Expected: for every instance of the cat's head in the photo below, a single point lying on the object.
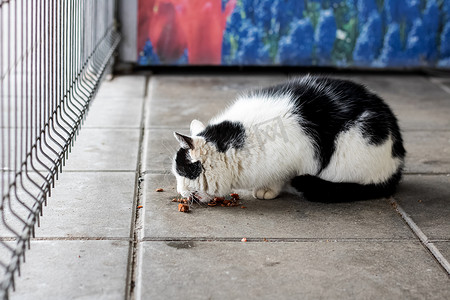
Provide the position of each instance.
(191, 164)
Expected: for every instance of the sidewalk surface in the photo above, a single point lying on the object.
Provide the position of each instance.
(107, 234)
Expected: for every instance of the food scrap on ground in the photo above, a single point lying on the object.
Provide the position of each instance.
(183, 207)
(160, 190)
(181, 200)
(221, 201)
(184, 203)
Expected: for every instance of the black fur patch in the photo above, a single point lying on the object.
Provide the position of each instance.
(185, 167)
(330, 106)
(319, 190)
(225, 135)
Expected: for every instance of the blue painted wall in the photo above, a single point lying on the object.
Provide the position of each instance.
(362, 33)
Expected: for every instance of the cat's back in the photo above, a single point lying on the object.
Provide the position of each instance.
(317, 104)
(258, 106)
(333, 99)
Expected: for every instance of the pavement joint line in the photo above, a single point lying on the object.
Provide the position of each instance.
(277, 240)
(427, 174)
(426, 130)
(111, 127)
(422, 237)
(157, 172)
(167, 128)
(78, 171)
(117, 98)
(74, 238)
(84, 127)
(168, 172)
(439, 84)
(132, 289)
(100, 171)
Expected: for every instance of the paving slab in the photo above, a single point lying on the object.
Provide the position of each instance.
(104, 149)
(161, 147)
(427, 152)
(306, 270)
(124, 87)
(176, 100)
(444, 248)
(82, 206)
(418, 103)
(444, 83)
(106, 112)
(425, 198)
(286, 217)
(93, 204)
(63, 269)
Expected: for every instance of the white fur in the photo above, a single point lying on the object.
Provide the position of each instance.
(286, 151)
(196, 127)
(355, 160)
(280, 156)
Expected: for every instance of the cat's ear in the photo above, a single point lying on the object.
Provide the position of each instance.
(196, 127)
(185, 141)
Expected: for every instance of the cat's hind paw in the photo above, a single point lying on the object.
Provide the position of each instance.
(265, 193)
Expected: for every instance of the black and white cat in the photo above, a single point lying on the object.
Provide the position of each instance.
(332, 140)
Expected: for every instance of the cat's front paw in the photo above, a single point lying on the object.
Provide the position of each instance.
(264, 193)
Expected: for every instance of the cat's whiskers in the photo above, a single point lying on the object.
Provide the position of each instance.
(169, 149)
(193, 198)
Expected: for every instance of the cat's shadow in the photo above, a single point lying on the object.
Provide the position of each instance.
(285, 205)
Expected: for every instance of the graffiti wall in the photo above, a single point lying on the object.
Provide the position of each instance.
(363, 33)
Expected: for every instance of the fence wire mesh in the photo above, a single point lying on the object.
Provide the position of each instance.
(53, 55)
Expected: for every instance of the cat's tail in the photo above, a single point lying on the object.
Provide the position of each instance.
(319, 190)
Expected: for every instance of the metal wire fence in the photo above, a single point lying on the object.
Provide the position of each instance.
(53, 55)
